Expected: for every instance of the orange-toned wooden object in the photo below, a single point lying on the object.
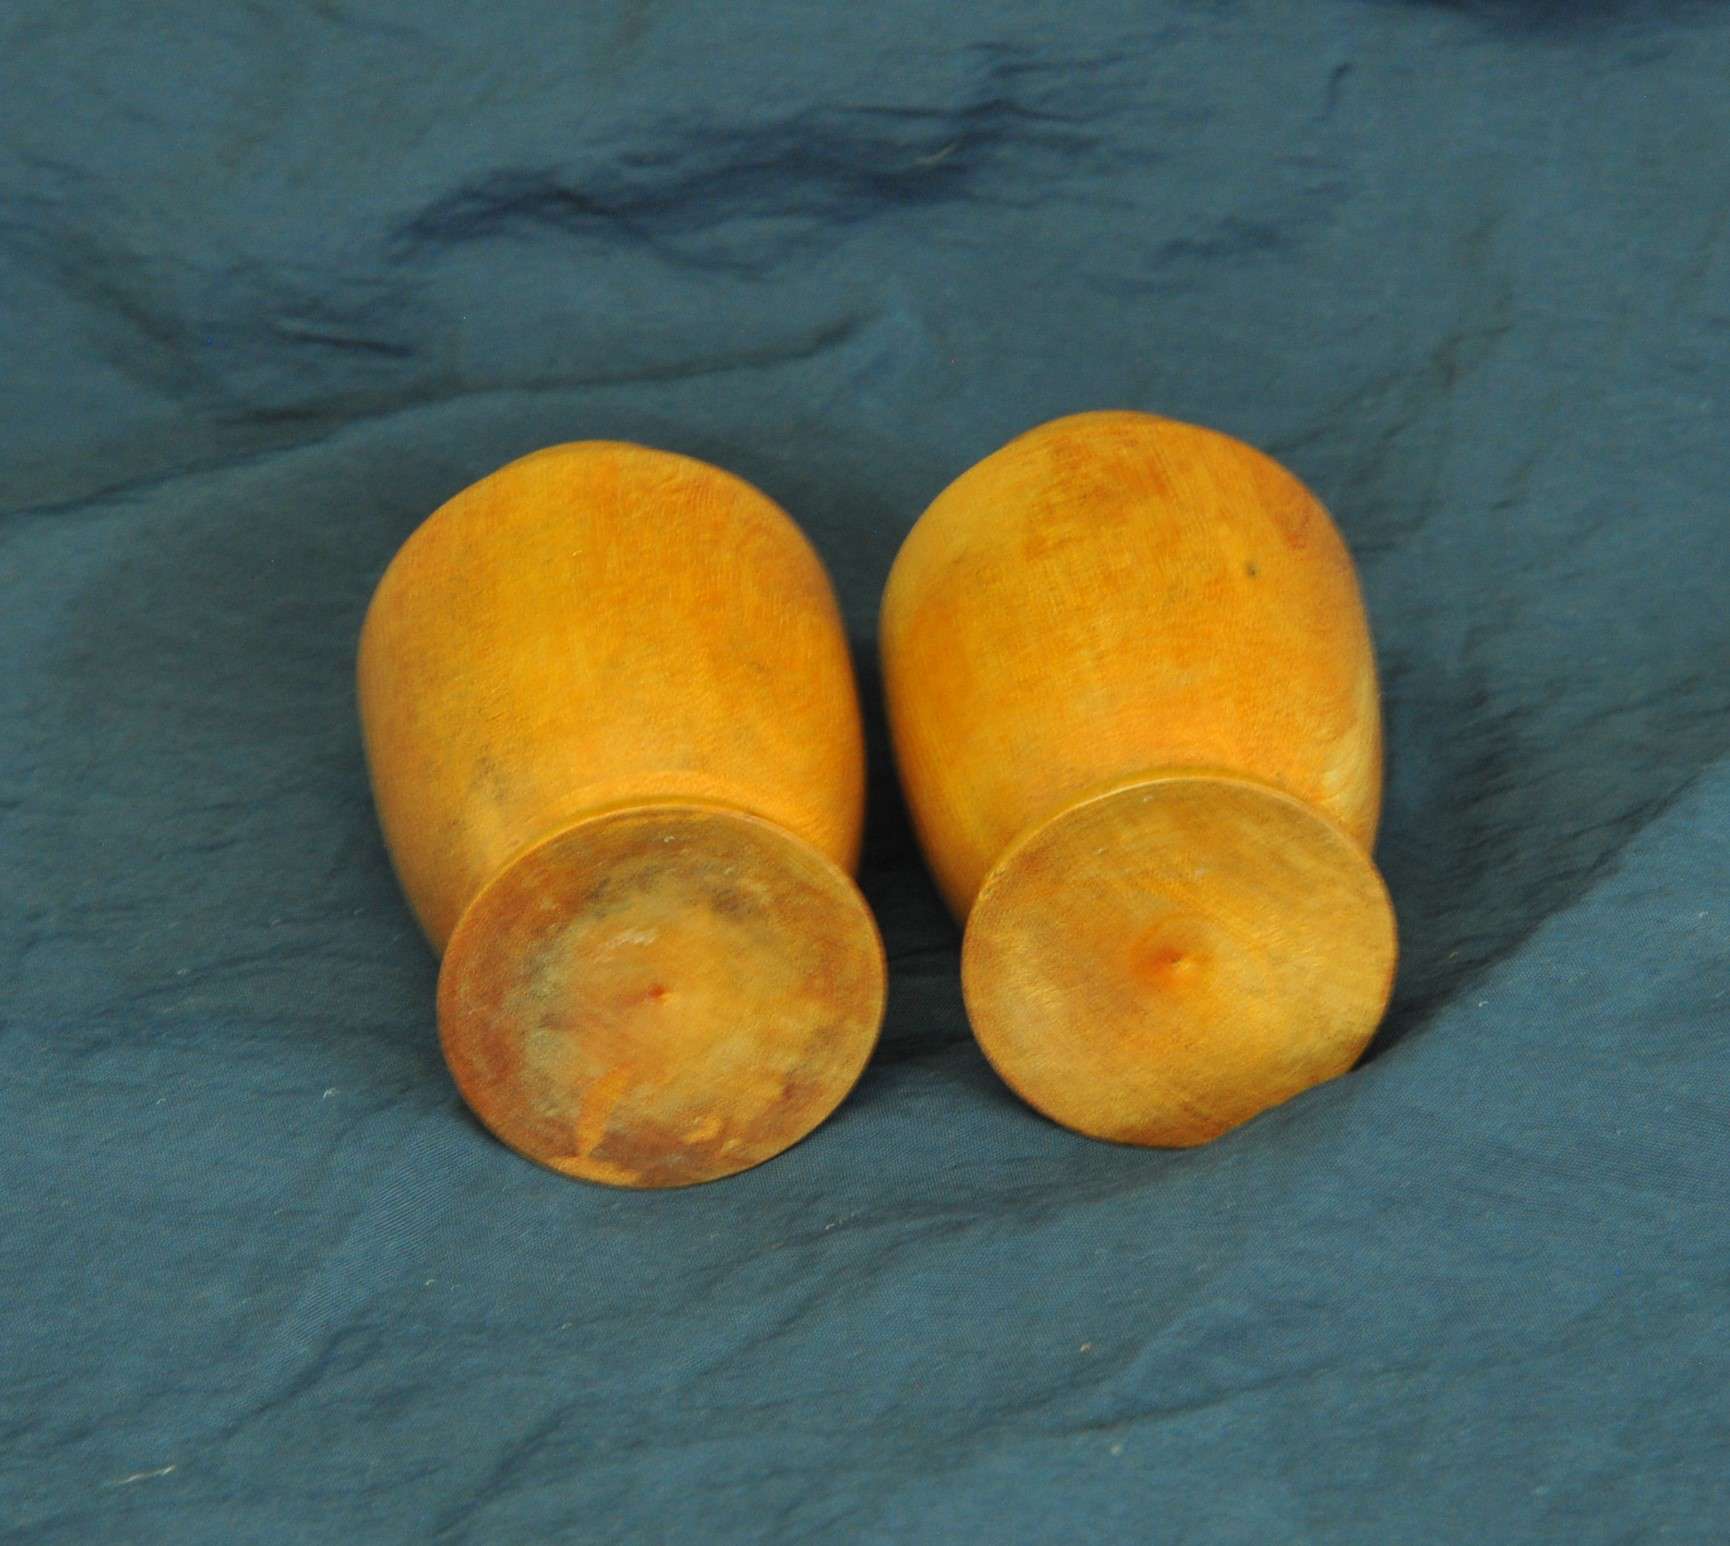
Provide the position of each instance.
(1134, 703)
(615, 743)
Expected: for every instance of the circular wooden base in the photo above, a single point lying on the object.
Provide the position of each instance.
(661, 995)
(1160, 963)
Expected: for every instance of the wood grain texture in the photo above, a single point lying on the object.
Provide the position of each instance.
(1109, 601)
(616, 749)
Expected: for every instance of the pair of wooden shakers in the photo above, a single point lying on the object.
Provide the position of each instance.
(615, 742)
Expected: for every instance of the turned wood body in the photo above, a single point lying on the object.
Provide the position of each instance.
(644, 651)
(1108, 601)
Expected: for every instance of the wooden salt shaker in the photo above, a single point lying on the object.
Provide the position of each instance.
(1133, 699)
(615, 743)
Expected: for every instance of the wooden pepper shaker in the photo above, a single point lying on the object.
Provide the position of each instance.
(615, 743)
(1134, 704)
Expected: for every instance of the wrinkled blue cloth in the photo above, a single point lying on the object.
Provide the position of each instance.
(277, 280)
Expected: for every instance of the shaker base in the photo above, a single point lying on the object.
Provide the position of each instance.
(661, 995)
(1159, 963)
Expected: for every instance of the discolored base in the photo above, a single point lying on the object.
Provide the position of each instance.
(1160, 963)
(661, 995)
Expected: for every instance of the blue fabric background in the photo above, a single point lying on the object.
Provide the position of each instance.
(276, 280)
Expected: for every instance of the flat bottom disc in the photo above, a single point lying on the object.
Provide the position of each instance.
(661, 995)
(1160, 963)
